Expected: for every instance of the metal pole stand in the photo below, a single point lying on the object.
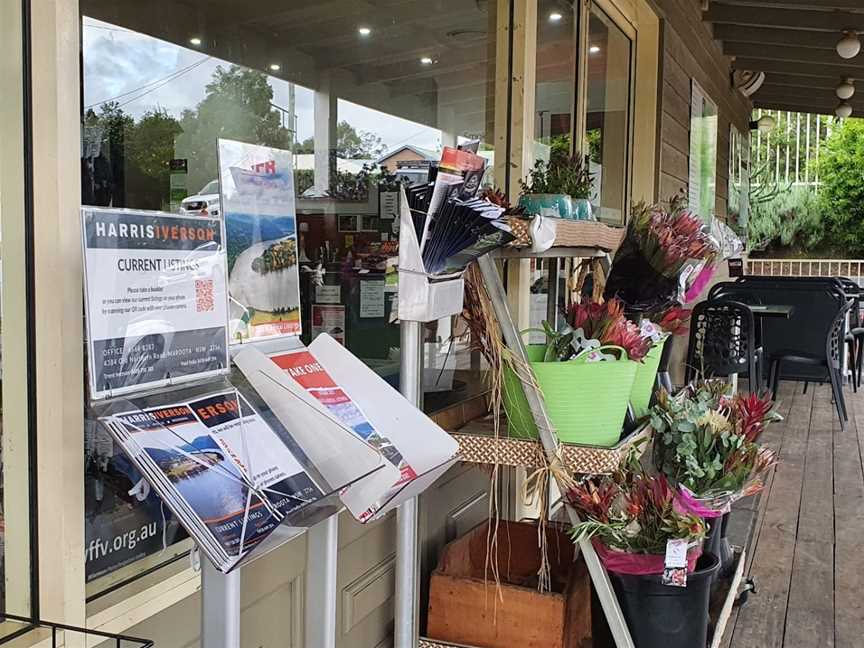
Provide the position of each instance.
(220, 607)
(406, 631)
(322, 546)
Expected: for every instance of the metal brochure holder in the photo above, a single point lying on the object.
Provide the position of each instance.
(186, 467)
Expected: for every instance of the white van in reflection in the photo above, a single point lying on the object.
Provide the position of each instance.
(205, 202)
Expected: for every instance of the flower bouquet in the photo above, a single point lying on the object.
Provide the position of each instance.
(630, 517)
(706, 443)
(653, 551)
(667, 256)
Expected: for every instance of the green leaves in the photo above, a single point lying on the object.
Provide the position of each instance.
(563, 174)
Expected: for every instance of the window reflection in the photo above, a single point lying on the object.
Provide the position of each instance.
(360, 98)
(607, 129)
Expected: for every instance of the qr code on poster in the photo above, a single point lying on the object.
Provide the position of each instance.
(203, 295)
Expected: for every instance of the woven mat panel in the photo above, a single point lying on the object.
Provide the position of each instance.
(431, 643)
(587, 460)
(572, 233)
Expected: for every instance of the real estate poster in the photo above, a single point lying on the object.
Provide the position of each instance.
(257, 189)
(156, 299)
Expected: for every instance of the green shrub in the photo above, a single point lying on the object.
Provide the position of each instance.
(792, 217)
(841, 172)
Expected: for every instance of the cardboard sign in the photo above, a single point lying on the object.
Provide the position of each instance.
(156, 299)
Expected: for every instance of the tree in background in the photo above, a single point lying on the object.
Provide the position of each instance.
(351, 144)
(132, 165)
(237, 105)
(841, 194)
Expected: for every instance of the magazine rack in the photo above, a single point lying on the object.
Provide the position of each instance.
(168, 430)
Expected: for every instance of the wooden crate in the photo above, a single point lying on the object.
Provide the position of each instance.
(463, 604)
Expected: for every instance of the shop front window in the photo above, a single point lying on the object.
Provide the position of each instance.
(607, 124)
(360, 98)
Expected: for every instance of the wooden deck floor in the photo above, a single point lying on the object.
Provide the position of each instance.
(806, 531)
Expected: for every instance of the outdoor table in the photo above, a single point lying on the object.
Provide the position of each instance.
(760, 311)
(781, 311)
(771, 310)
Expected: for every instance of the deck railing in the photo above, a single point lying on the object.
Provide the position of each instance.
(851, 268)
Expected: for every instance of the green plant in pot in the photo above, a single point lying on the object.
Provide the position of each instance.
(585, 375)
(631, 518)
(560, 187)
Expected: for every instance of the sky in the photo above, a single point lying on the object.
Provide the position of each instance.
(141, 73)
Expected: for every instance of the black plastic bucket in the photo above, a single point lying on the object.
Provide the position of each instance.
(662, 616)
(717, 543)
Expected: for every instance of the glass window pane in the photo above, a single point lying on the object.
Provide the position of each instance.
(556, 77)
(352, 93)
(608, 115)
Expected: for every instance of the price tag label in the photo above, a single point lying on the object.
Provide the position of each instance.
(675, 564)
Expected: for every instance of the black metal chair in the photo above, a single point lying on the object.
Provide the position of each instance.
(854, 337)
(827, 360)
(723, 342)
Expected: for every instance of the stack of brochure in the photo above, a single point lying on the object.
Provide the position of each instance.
(453, 227)
(219, 467)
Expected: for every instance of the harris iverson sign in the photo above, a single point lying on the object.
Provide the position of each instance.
(156, 299)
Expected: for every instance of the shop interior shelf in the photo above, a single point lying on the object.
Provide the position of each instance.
(478, 444)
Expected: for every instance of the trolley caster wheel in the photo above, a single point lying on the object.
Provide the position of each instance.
(749, 586)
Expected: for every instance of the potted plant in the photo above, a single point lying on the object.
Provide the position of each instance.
(560, 187)
(585, 374)
(706, 443)
(631, 518)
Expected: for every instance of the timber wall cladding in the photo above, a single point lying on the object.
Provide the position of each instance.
(690, 52)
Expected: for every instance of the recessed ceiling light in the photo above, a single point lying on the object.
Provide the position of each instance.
(594, 49)
(195, 41)
(275, 67)
(426, 60)
(849, 46)
(364, 31)
(555, 16)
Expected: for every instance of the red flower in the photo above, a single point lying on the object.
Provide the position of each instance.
(750, 412)
(674, 320)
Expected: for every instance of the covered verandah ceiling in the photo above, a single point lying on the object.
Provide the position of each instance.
(794, 43)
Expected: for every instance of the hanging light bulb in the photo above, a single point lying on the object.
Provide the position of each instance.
(843, 110)
(849, 46)
(845, 89)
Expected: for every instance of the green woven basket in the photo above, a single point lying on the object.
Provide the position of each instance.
(587, 403)
(646, 375)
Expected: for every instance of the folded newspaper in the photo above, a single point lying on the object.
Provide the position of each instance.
(223, 471)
